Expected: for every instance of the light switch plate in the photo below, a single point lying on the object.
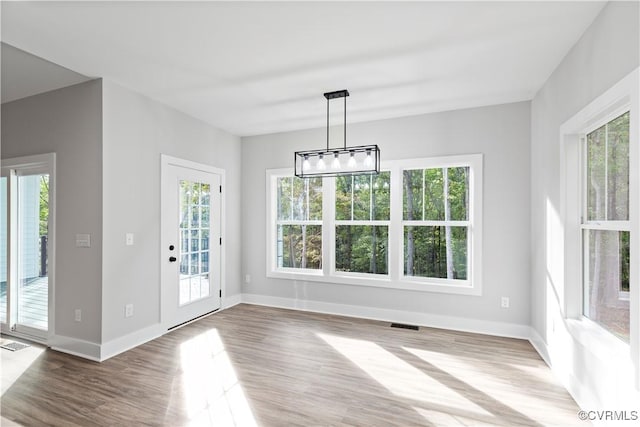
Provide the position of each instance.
(129, 239)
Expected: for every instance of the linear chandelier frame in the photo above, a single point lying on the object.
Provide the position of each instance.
(344, 161)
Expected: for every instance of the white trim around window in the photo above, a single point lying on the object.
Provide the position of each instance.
(395, 278)
(622, 97)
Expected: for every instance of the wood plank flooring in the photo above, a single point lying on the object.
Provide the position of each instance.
(253, 365)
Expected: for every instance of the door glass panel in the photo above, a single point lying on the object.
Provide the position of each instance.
(3, 250)
(33, 220)
(195, 223)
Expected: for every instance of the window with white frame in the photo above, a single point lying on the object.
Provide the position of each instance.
(606, 225)
(436, 222)
(417, 225)
(362, 214)
(299, 223)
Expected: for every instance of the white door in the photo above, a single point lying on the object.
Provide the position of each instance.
(191, 240)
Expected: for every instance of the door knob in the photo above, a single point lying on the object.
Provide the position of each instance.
(172, 259)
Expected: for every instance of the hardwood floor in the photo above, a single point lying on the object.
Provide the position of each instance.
(252, 365)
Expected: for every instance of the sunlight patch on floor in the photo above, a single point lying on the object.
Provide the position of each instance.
(212, 393)
(14, 363)
(400, 377)
(508, 390)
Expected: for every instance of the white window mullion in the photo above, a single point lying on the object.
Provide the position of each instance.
(328, 226)
(396, 232)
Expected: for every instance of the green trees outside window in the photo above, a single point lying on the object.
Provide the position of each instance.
(362, 223)
(435, 214)
(606, 226)
(299, 223)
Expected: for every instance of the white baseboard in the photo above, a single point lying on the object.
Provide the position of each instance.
(230, 301)
(539, 345)
(85, 349)
(129, 341)
(422, 319)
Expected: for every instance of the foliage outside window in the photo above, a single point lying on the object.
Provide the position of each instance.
(606, 226)
(435, 213)
(299, 223)
(362, 223)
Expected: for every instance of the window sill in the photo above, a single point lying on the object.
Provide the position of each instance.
(383, 281)
(602, 343)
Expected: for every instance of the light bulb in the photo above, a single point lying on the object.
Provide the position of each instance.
(352, 161)
(320, 165)
(306, 165)
(336, 161)
(367, 160)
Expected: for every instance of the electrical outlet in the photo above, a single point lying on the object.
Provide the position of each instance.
(128, 310)
(247, 278)
(504, 303)
(78, 315)
(129, 239)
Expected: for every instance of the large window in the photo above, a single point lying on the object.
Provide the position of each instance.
(606, 226)
(362, 223)
(416, 225)
(299, 223)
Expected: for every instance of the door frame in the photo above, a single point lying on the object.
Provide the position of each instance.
(165, 162)
(38, 162)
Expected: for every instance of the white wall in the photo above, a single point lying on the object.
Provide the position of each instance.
(68, 122)
(607, 52)
(136, 131)
(501, 133)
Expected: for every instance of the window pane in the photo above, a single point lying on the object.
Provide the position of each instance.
(424, 193)
(433, 195)
(596, 174)
(315, 199)
(299, 246)
(618, 168)
(435, 251)
(369, 194)
(205, 194)
(299, 199)
(195, 193)
(344, 186)
(33, 215)
(412, 194)
(362, 248)
(458, 193)
(361, 197)
(605, 296)
(285, 187)
(381, 207)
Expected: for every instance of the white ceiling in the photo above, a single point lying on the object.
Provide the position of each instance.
(261, 67)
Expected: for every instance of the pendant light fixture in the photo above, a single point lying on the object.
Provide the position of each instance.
(360, 160)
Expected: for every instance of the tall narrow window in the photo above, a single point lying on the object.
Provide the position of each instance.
(362, 223)
(436, 222)
(606, 226)
(299, 223)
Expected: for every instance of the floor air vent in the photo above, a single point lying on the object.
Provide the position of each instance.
(403, 326)
(13, 346)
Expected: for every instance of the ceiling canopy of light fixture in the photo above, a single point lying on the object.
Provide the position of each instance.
(359, 160)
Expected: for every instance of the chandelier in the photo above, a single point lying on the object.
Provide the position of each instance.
(357, 160)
